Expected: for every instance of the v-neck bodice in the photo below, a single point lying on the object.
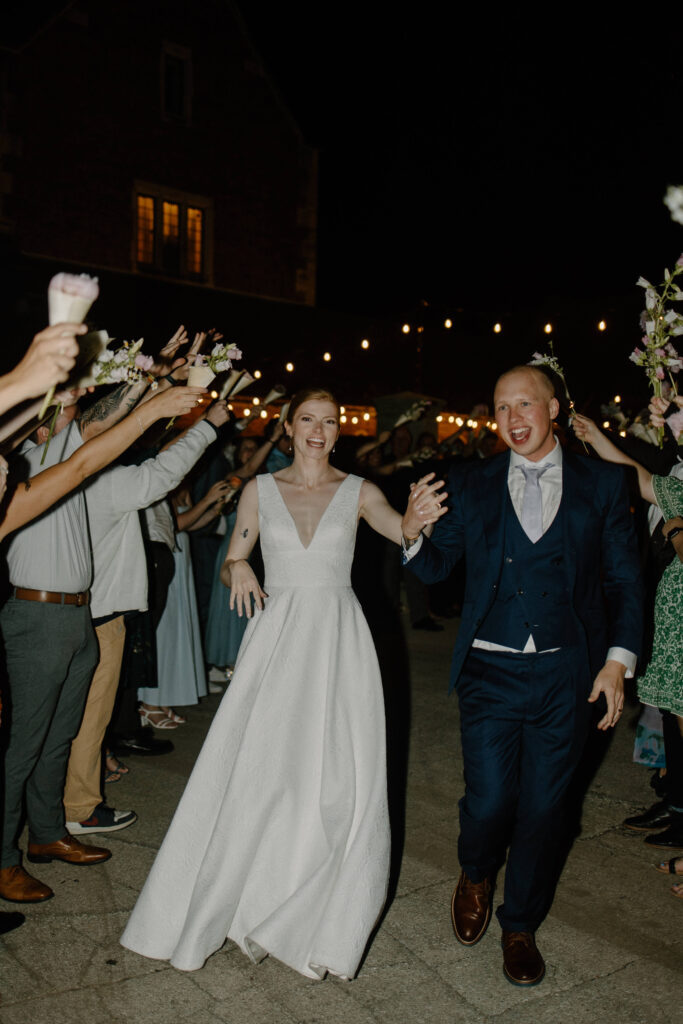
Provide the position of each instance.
(327, 559)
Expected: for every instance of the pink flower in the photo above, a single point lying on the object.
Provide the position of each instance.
(659, 373)
(144, 362)
(660, 353)
(679, 261)
(234, 353)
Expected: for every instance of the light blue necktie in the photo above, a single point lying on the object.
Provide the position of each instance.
(532, 505)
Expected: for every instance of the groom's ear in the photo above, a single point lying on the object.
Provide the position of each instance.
(553, 408)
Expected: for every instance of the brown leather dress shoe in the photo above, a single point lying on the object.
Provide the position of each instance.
(470, 909)
(17, 886)
(522, 963)
(68, 849)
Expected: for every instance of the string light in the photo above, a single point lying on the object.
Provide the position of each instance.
(289, 367)
(448, 324)
(420, 330)
(327, 357)
(617, 399)
(366, 416)
(494, 426)
(264, 414)
(451, 419)
(548, 328)
(602, 326)
(247, 412)
(257, 374)
(354, 419)
(622, 433)
(230, 408)
(256, 401)
(458, 420)
(497, 328)
(342, 419)
(406, 328)
(342, 409)
(439, 419)
(606, 424)
(365, 343)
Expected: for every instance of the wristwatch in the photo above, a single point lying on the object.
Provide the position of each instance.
(672, 533)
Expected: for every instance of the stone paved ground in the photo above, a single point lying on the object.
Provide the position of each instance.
(613, 942)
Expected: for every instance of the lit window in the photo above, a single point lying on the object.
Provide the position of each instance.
(170, 258)
(145, 233)
(195, 224)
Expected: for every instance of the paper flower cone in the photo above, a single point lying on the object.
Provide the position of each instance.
(230, 382)
(69, 298)
(283, 412)
(277, 392)
(200, 376)
(245, 380)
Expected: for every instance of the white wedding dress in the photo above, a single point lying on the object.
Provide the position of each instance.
(281, 839)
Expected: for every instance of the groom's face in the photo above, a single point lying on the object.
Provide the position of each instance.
(525, 408)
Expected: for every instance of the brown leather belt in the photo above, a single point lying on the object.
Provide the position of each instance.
(52, 596)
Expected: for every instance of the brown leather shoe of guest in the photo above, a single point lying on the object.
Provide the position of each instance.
(69, 850)
(522, 963)
(471, 909)
(17, 886)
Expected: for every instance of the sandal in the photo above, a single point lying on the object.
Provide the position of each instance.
(113, 765)
(174, 716)
(668, 867)
(112, 776)
(157, 719)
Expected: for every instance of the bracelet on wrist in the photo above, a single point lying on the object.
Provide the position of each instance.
(171, 380)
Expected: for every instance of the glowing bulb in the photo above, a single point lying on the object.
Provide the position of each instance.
(256, 401)
(327, 357)
(548, 328)
(342, 419)
(289, 367)
(606, 424)
(602, 326)
(354, 419)
(617, 399)
(230, 408)
(365, 343)
(458, 420)
(366, 416)
(264, 414)
(451, 419)
(247, 412)
(622, 433)
(257, 374)
(497, 328)
(342, 408)
(448, 323)
(494, 426)
(406, 328)
(214, 394)
(439, 419)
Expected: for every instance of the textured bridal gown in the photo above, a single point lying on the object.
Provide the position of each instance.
(281, 839)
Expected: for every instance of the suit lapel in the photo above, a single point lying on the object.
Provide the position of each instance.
(576, 512)
(491, 495)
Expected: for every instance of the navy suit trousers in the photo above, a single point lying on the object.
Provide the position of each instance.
(524, 722)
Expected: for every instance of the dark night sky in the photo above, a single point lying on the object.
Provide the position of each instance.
(480, 159)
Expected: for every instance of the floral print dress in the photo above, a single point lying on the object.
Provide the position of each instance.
(662, 684)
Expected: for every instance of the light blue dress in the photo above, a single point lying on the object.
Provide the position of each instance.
(181, 672)
(225, 628)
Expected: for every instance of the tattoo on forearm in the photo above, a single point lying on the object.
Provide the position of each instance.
(126, 395)
(245, 532)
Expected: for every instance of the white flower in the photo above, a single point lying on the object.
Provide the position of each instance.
(674, 200)
(643, 283)
(121, 356)
(650, 298)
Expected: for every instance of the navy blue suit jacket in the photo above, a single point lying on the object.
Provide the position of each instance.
(600, 563)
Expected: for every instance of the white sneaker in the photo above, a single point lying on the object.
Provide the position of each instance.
(102, 819)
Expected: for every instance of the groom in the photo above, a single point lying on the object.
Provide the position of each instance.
(551, 620)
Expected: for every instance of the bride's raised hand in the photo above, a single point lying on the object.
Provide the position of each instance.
(240, 577)
(425, 505)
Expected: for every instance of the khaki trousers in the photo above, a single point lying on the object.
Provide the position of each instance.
(82, 792)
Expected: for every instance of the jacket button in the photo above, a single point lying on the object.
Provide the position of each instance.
(508, 559)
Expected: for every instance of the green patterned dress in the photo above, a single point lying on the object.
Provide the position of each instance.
(662, 684)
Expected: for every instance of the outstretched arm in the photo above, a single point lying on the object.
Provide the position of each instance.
(236, 573)
(424, 509)
(48, 361)
(40, 492)
(586, 430)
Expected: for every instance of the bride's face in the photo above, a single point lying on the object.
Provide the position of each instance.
(315, 428)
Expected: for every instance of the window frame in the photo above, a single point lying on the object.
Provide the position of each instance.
(185, 201)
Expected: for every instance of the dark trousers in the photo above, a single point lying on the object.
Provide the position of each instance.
(673, 749)
(524, 722)
(51, 653)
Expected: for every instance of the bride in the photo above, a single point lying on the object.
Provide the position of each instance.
(281, 839)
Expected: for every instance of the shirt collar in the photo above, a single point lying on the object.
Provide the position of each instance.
(553, 458)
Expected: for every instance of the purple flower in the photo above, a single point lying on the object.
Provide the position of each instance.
(144, 362)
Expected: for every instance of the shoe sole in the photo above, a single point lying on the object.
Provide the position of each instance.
(32, 899)
(39, 858)
(480, 936)
(523, 984)
(75, 829)
(665, 846)
(647, 828)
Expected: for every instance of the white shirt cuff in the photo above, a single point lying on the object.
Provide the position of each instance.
(624, 657)
(410, 552)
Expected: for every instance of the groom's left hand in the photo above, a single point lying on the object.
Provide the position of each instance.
(610, 681)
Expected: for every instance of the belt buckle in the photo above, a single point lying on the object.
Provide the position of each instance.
(79, 600)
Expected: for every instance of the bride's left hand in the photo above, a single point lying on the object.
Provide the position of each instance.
(424, 505)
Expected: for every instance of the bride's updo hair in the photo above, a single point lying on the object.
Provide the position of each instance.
(311, 395)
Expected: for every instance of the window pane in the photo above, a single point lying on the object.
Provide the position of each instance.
(195, 232)
(145, 229)
(170, 257)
